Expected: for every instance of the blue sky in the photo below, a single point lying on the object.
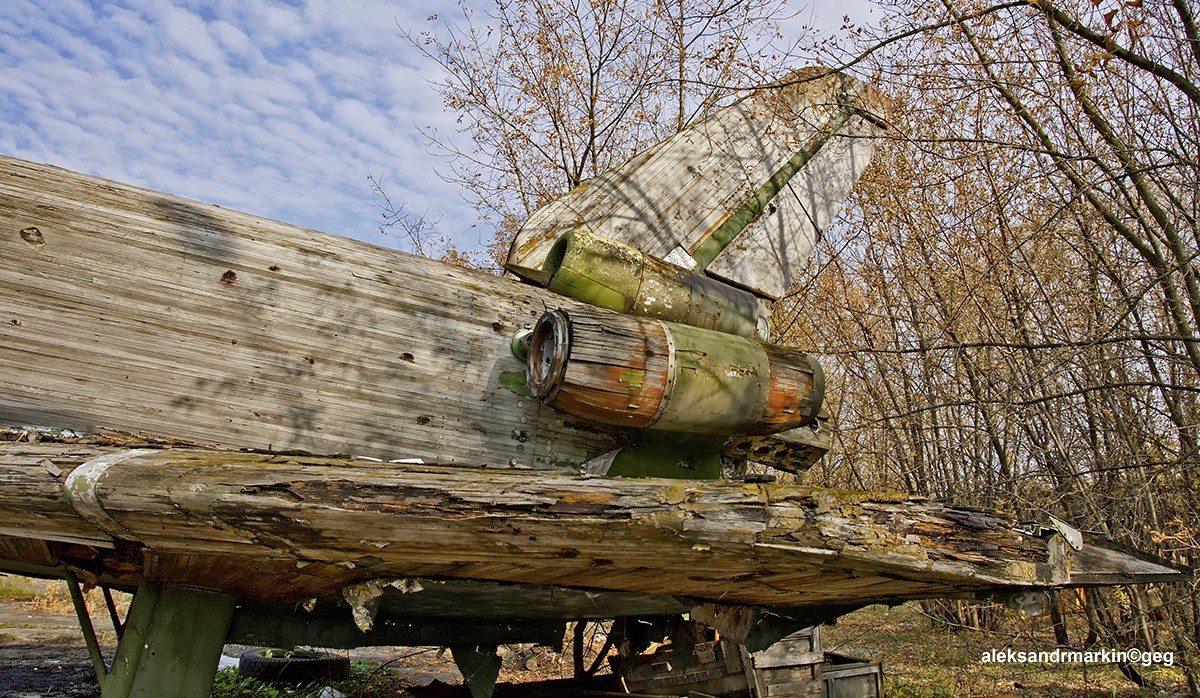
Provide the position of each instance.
(280, 109)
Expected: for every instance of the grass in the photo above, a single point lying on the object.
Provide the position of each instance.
(15, 589)
(56, 598)
(928, 659)
(366, 681)
(15, 594)
(63, 639)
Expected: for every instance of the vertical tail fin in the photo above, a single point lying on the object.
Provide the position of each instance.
(741, 196)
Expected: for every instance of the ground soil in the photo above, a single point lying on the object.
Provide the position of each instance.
(931, 659)
(45, 671)
(42, 655)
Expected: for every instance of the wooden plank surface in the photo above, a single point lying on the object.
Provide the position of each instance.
(127, 309)
(143, 312)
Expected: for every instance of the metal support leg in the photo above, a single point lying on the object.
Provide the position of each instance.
(118, 625)
(479, 666)
(85, 625)
(170, 645)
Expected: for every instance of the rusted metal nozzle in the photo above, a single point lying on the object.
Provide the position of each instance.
(649, 374)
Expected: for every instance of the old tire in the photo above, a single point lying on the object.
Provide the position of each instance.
(293, 666)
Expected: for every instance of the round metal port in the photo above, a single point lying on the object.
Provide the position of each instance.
(549, 349)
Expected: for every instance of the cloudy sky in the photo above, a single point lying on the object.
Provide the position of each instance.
(281, 109)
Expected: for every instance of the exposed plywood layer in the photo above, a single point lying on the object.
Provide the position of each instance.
(314, 526)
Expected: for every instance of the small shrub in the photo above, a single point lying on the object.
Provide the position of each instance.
(229, 683)
(366, 681)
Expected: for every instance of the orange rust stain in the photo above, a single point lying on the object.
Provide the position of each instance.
(708, 233)
(787, 401)
(606, 407)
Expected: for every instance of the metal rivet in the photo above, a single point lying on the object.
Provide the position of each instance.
(520, 344)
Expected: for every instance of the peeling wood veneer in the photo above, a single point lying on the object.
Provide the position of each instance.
(314, 525)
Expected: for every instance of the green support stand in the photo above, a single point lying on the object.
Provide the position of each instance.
(170, 646)
(479, 666)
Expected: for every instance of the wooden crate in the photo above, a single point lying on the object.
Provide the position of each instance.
(790, 668)
(850, 677)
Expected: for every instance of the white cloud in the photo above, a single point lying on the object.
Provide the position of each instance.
(277, 108)
(128, 22)
(279, 23)
(266, 107)
(353, 114)
(191, 34)
(236, 44)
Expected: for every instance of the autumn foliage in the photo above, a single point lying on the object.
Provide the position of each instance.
(1010, 309)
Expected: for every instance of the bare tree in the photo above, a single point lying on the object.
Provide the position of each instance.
(1010, 311)
(1012, 306)
(551, 93)
(419, 233)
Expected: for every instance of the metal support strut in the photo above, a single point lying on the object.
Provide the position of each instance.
(479, 666)
(170, 642)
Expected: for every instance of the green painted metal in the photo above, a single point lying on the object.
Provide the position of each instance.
(594, 270)
(111, 605)
(171, 644)
(85, 625)
(520, 344)
(670, 455)
(612, 275)
(757, 202)
(721, 383)
(620, 370)
(479, 666)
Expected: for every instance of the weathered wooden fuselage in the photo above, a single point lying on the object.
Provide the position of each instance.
(138, 312)
(361, 426)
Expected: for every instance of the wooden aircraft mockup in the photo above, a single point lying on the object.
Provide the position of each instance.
(277, 435)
